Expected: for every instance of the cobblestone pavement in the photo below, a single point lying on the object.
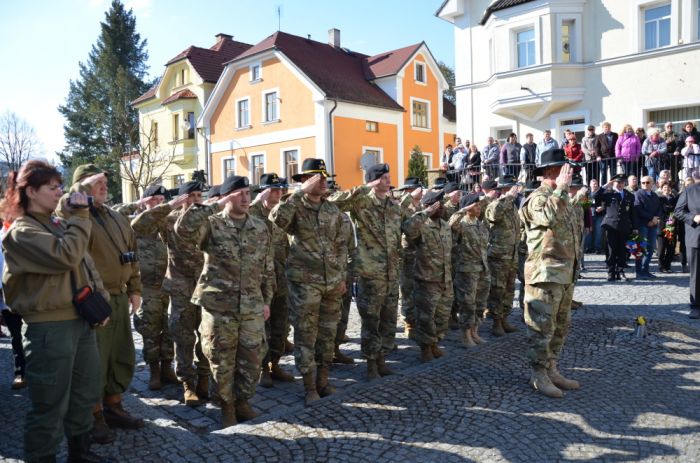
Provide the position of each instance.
(638, 402)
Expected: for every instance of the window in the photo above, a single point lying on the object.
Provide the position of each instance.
(255, 72)
(567, 30)
(270, 109)
(183, 73)
(176, 127)
(154, 135)
(371, 126)
(502, 134)
(257, 168)
(420, 72)
(678, 116)
(428, 160)
(697, 22)
(190, 125)
(291, 163)
(525, 47)
(229, 167)
(420, 114)
(243, 114)
(657, 27)
(178, 180)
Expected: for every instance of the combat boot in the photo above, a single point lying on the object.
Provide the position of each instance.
(339, 357)
(310, 388)
(79, 450)
(497, 329)
(426, 353)
(191, 399)
(202, 387)
(475, 334)
(372, 372)
(382, 367)
(560, 381)
(228, 415)
(244, 412)
(541, 382)
(467, 339)
(278, 373)
(323, 387)
(100, 433)
(167, 373)
(154, 383)
(437, 352)
(117, 417)
(507, 327)
(265, 377)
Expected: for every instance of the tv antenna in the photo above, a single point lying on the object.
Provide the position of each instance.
(279, 17)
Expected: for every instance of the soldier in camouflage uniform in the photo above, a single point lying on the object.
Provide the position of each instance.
(470, 238)
(378, 221)
(450, 205)
(432, 273)
(270, 189)
(528, 188)
(577, 192)
(491, 193)
(314, 274)
(349, 250)
(504, 236)
(409, 204)
(553, 242)
(185, 262)
(234, 291)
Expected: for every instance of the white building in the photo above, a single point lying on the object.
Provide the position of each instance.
(528, 65)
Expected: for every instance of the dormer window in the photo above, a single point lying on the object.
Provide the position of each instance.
(420, 73)
(255, 72)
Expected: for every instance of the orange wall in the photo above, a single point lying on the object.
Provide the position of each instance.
(428, 141)
(295, 109)
(349, 136)
(448, 139)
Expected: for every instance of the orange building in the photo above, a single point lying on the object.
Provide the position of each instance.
(288, 98)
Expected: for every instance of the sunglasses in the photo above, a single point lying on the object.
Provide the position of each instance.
(645, 183)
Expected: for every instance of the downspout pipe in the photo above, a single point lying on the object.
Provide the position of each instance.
(330, 136)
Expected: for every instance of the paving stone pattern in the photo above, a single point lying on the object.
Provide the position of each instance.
(639, 400)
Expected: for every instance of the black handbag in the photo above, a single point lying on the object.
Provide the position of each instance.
(90, 305)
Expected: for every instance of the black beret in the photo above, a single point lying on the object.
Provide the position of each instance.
(154, 190)
(432, 197)
(489, 184)
(375, 172)
(214, 191)
(190, 187)
(468, 200)
(450, 187)
(233, 183)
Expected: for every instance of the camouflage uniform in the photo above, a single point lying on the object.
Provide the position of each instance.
(408, 259)
(277, 325)
(522, 257)
(350, 251)
(449, 208)
(470, 238)
(314, 275)
(379, 244)
(432, 274)
(484, 202)
(237, 281)
(504, 233)
(185, 262)
(553, 243)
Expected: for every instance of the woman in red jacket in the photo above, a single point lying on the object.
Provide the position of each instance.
(573, 150)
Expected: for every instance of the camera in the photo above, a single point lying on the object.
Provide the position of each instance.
(128, 257)
(75, 206)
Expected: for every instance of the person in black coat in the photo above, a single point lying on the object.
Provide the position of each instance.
(667, 241)
(619, 221)
(688, 212)
(604, 150)
(647, 208)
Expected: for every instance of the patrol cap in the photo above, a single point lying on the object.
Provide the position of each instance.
(190, 187)
(85, 171)
(618, 178)
(233, 183)
(431, 197)
(450, 187)
(155, 190)
(439, 184)
(375, 172)
(214, 192)
(270, 180)
(469, 200)
(489, 185)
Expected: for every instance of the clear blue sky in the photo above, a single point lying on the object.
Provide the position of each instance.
(43, 41)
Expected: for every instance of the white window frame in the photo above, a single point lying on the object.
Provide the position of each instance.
(283, 164)
(375, 148)
(638, 29)
(250, 71)
(498, 128)
(251, 165)
(416, 65)
(239, 126)
(518, 31)
(643, 24)
(556, 119)
(263, 94)
(223, 166)
(430, 159)
(429, 116)
(575, 34)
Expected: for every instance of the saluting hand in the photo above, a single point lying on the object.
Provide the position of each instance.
(135, 303)
(374, 183)
(432, 208)
(417, 193)
(178, 201)
(565, 175)
(310, 184)
(263, 195)
(266, 311)
(78, 200)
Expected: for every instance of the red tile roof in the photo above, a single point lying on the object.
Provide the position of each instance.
(150, 93)
(390, 62)
(181, 95)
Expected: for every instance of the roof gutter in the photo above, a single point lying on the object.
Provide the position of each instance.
(330, 136)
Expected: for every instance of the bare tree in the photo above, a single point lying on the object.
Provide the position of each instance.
(18, 141)
(145, 165)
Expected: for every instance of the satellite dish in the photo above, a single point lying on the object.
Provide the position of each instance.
(368, 160)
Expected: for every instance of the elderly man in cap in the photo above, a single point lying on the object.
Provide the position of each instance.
(113, 248)
(185, 263)
(234, 290)
(470, 238)
(409, 204)
(314, 273)
(553, 239)
(504, 235)
(270, 192)
(619, 221)
(432, 274)
(378, 221)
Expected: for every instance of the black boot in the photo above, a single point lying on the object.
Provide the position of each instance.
(79, 450)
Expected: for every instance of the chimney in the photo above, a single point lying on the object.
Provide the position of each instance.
(221, 37)
(334, 37)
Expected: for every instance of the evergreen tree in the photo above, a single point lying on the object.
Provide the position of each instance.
(416, 165)
(100, 123)
(449, 74)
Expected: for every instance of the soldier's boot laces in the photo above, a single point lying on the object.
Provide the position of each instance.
(244, 412)
(497, 328)
(202, 387)
(167, 373)
(154, 382)
(228, 415)
(382, 367)
(323, 387)
(507, 327)
(475, 334)
(339, 357)
(265, 376)
(437, 352)
(278, 373)
(372, 372)
(426, 353)
(191, 399)
(541, 382)
(310, 388)
(467, 338)
(560, 381)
